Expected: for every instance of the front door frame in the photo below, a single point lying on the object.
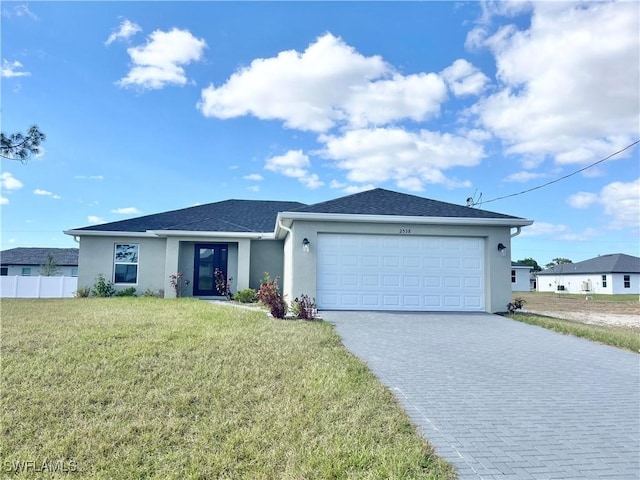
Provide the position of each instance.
(220, 260)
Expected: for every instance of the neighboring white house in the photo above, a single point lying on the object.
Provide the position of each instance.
(607, 274)
(375, 250)
(27, 262)
(520, 277)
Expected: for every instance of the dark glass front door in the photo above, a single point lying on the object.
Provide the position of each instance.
(209, 257)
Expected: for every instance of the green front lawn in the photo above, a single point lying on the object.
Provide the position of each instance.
(126, 388)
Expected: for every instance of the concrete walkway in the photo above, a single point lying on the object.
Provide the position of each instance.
(504, 400)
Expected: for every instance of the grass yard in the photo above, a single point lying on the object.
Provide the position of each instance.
(615, 336)
(128, 388)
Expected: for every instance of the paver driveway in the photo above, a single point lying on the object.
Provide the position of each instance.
(504, 400)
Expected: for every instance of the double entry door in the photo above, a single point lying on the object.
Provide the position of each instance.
(209, 258)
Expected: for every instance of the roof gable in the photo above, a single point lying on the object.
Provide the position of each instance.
(386, 202)
(612, 263)
(38, 256)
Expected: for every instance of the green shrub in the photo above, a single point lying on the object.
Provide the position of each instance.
(127, 292)
(248, 295)
(150, 293)
(82, 292)
(103, 287)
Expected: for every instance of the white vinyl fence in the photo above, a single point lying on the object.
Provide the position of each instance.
(17, 286)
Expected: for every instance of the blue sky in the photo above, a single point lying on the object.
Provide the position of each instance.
(154, 106)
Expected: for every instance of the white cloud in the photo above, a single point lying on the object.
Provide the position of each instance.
(256, 177)
(9, 182)
(328, 84)
(160, 61)
(544, 228)
(568, 86)
(24, 11)
(410, 159)
(619, 200)
(94, 219)
(294, 164)
(582, 199)
(46, 193)
(12, 69)
(350, 189)
(464, 79)
(126, 30)
(89, 177)
(3, 200)
(21, 10)
(523, 176)
(126, 211)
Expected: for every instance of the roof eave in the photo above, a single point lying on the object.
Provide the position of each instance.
(288, 217)
(171, 233)
(191, 233)
(106, 233)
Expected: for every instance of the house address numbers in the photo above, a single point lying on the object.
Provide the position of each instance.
(405, 231)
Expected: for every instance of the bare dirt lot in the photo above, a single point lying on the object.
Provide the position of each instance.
(583, 308)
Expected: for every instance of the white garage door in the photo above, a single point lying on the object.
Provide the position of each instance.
(414, 273)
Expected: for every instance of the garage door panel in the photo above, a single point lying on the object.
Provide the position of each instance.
(377, 272)
(371, 280)
(411, 281)
(432, 263)
(370, 261)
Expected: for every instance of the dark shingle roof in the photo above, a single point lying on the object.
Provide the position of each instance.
(225, 216)
(260, 216)
(38, 256)
(612, 263)
(386, 202)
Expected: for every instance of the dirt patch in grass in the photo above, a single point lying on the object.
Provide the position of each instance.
(620, 310)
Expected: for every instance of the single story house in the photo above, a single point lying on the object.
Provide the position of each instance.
(607, 274)
(28, 261)
(520, 277)
(375, 250)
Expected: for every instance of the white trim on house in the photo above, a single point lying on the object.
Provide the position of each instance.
(98, 233)
(173, 233)
(351, 218)
(191, 233)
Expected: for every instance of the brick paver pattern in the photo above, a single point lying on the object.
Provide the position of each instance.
(504, 400)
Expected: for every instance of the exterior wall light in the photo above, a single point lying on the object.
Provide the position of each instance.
(502, 249)
(305, 245)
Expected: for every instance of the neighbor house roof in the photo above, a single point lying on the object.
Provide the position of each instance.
(225, 216)
(612, 263)
(38, 256)
(520, 265)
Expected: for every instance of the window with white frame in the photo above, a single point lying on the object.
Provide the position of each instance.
(604, 281)
(627, 281)
(513, 276)
(26, 271)
(74, 271)
(125, 263)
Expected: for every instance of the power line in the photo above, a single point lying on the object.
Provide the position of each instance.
(480, 201)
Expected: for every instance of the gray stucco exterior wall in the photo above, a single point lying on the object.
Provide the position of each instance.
(97, 254)
(266, 256)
